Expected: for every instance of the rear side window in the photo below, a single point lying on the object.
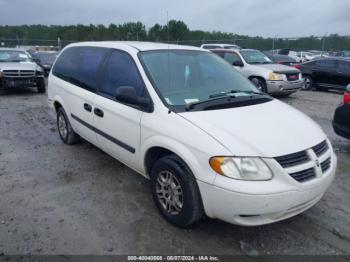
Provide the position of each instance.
(80, 66)
(120, 71)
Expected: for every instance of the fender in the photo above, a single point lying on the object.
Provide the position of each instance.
(182, 151)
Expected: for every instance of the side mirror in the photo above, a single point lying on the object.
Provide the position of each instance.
(348, 88)
(238, 63)
(127, 94)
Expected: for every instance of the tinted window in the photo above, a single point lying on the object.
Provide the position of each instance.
(120, 71)
(344, 65)
(80, 66)
(231, 57)
(326, 63)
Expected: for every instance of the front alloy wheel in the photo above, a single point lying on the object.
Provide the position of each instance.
(175, 191)
(169, 192)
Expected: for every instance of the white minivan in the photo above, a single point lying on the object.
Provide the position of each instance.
(208, 140)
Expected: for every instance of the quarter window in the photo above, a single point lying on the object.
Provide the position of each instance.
(120, 71)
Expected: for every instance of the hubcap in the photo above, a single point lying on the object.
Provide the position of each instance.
(62, 126)
(169, 192)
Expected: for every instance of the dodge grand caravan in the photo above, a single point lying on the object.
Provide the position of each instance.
(208, 140)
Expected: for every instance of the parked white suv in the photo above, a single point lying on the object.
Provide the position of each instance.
(209, 141)
(269, 77)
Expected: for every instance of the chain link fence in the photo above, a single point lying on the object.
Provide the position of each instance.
(330, 43)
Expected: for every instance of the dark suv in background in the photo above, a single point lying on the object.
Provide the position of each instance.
(328, 73)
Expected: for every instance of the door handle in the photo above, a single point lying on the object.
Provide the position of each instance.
(88, 107)
(98, 112)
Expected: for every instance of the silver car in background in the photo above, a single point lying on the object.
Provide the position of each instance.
(18, 70)
(268, 77)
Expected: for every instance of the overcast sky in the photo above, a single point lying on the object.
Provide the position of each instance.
(286, 18)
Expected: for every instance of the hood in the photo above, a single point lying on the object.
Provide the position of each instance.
(268, 130)
(278, 68)
(18, 66)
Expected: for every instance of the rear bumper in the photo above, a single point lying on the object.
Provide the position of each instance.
(284, 87)
(248, 209)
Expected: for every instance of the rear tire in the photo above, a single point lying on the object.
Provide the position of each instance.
(41, 86)
(175, 191)
(65, 130)
(260, 84)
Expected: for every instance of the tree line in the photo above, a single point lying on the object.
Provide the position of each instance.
(175, 31)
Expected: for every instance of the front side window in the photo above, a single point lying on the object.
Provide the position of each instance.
(80, 66)
(255, 57)
(344, 65)
(183, 77)
(120, 71)
(231, 57)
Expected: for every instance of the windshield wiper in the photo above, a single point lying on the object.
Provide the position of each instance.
(225, 99)
(224, 94)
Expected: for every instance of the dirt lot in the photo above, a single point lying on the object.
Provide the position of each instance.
(57, 199)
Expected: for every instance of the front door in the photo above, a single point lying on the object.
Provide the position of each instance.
(118, 125)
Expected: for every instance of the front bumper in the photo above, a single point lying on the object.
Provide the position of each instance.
(264, 202)
(284, 87)
(19, 82)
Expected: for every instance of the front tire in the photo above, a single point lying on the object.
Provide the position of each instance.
(65, 130)
(260, 84)
(309, 83)
(175, 192)
(41, 86)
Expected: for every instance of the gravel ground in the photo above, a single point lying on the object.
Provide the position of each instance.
(57, 199)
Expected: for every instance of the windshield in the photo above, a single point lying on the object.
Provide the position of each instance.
(46, 58)
(183, 77)
(14, 56)
(255, 57)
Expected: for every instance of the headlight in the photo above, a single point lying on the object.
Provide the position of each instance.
(275, 77)
(241, 168)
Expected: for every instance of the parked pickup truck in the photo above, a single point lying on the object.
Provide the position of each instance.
(257, 67)
(18, 70)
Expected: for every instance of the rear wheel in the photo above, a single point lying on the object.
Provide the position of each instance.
(309, 83)
(259, 83)
(175, 191)
(65, 129)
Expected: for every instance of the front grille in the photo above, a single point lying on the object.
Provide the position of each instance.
(321, 148)
(305, 175)
(19, 73)
(293, 159)
(326, 165)
(292, 77)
